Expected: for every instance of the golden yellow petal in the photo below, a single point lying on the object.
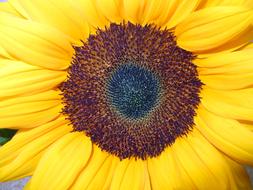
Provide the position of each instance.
(239, 176)
(131, 10)
(208, 28)
(237, 43)
(97, 159)
(101, 176)
(167, 9)
(109, 9)
(110, 172)
(197, 166)
(134, 175)
(30, 111)
(16, 4)
(34, 41)
(152, 10)
(228, 82)
(90, 13)
(229, 104)
(213, 3)
(228, 135)
(31, 120)
(158, 170)
(119, 174)
(229, 62)
(62, 162)
(182, 11)
(20, 156)
(59, 14)
(8, 8)
(19, 78)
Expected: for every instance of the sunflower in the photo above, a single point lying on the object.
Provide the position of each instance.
(127, 94)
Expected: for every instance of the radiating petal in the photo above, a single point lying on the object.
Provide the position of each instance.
(19, 78)
(131, 10)
(134, 174)
(30, 111)
(229, 104)
(62, 162)
(213, 3)
(109, 9)
(162, 179)
(183, 9)
(97, 159)
(34, 41)
(151, 11)
(235, 44)
(101, 179)
(19, 157)
(228, 82)
(228, 135)
(90, 13)
(129, 171)
(239, 175)
(205, 171)
(208, 28)
(226, 63)
(59, 14)
(203, 163)
(8, 8)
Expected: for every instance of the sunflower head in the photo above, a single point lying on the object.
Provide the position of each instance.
(132, 90)
(156, 94)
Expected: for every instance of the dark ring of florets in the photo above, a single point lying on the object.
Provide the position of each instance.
(85, 92)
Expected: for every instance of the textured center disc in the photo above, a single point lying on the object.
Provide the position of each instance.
(133, 91)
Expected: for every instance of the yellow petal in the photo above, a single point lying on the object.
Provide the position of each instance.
(16, 4)
(96, 161)
(208, 28)
(228, 82)
(61, 15)
(109, 9)
(129, 171)
(8, 8)
(160, 177)
(4, 54)
(239, 176)
(119, 174)
(23, 168)
(247, 124)
(101, 176)
(213, 3)
(222, 63)
(34, 41)
(90, 13)
(131, 10)
(61, 164)
(236, 43)
(30, 111)
(183, 9)
(19, 78)
(19, 157)
(229, 104)
(151, 11)
(248, 46)
(197, 166)
(227, 135)
(134, 175)
(31, 120)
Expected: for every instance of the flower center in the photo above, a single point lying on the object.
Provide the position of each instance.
(132, 90)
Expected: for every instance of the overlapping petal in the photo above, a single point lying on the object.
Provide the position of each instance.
(20, 156)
